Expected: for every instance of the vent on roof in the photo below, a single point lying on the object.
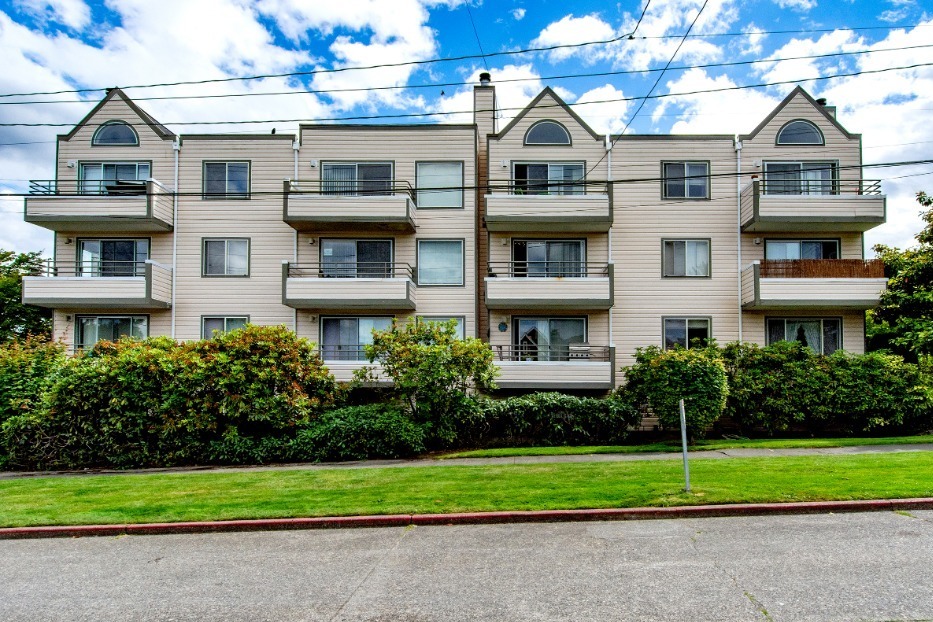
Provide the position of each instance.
(485, 78)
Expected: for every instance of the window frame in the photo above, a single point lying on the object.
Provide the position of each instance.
(569, 142)
(838, 242)
(463, 274)
(709, 259)
(777, 136)
(820, 319)
(513, 272)
(76, 347)
(461, 321)
(515, 337)
(356, 180)
(321, 261)
(707, 180)
(462, 192)
(84, 163)
(833, 180)
(321, 345)
(225, 318)
(79, 261)
(686, 318)
(209, 275)
(226, 196)
(549, 163)
(94, 142)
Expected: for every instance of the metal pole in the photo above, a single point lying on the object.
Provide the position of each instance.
(683, 439)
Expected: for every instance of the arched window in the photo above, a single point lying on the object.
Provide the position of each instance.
(800, 133)
(115, 133)
(547, 133)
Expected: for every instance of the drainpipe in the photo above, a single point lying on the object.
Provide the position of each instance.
(176, 147)
(738, 203)
(295, 147)
(609, 234)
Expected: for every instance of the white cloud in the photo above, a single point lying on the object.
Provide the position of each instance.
(518, 14)
(72, 13)
(797, 5)
(752, 45)
(570, 30)
(511, 97)
(607, 115)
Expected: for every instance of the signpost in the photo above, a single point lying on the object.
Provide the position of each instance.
(683, 439)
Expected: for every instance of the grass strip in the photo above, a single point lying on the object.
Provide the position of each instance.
(705, 445)
(137, 498)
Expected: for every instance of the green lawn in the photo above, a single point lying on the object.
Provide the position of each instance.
(133, 498)
(707, 445)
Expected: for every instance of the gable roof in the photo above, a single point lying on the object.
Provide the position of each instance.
(154, 125)
(560, 102)
(798, 90)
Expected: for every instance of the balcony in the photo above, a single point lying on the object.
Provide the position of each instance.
(850, 206)
(813, 284)
(323, 206)
(578, 366)
(118, 206)
(344, 287)
(518, 208)
(556, 285)
(101, 285)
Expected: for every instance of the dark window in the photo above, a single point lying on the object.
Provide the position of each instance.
(686, 180)
(344, 338)
(686, 258)
(801, 249)
(548, 258)
(685, 332)
(226, 180)
(91, 329)
(800, 133)
(799, 178)
(547, 133)
(115, 133)
(547, 339)
(112, 177)
(356, 258)
(357, 178)
(212, 325)
(823, 336)
(549, 178)
(112, 258)
(226, 257)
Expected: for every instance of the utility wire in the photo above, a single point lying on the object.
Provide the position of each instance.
(464, 112)
(476, 34)
(454, 59)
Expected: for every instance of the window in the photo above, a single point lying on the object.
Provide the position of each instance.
(436, 318)
(210, 326)
(801, 249)
(686, 258)
(103, 177)
(547, 133)
(684, 331)
(344, 338)
(686, 180)
(228, 257)
(548, 258)
(115, 133)
(440, 262)
(357, 178)
(548, 178)
(109, 258)
(447, 177)
(799, 177)
(89, 329)
(822, 335)
(356, 259)
(799, 133)
(547, 339)
(226, 180)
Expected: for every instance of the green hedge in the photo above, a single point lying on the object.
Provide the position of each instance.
(359, 432)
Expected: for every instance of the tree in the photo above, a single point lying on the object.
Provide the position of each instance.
(16, 319)
(903, 320)
(432, 370)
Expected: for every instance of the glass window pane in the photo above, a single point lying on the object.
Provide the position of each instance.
(696, 184)
(215, 178)
(237, 257)
(215, 252)
(140, 327)
(831, 336)
(776, 331)
(447, 175)
(142, 171)
(234, 323)
(697, 329)
(212, 324)
(440, 262)
(675, 333)
(674, 183)
(547, 133)
(87, 332)
(238, 178)
(675, 257)
(115, 134)
(800, 133)
(697, 260)
(374, 259)
(778, 249)
(338, 258)
(374, 179)
(807, 332)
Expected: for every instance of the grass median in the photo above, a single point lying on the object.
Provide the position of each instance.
(674, 445)
(227, 495)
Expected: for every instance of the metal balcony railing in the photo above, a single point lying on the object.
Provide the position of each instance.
(353, 188)
(547, 269)
(118, 187)
(572, 353)
(94, 268)
(539, 187)
(822, 269)
(819, 187)
(351, 270)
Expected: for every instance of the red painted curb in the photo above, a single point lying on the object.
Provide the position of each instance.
(470, 518)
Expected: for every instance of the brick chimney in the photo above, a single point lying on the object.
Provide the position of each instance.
(484, 116)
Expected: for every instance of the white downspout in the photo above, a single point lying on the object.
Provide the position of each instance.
(609, 234)
(295, 147)
(176, 147)
(738, 203)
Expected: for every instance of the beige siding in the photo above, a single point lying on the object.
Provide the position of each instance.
(597, 245)
(545, 293)
(516, 374)
(338, 294)
(67, 246)
(316, 206)
(161, 286)
(54, 205)
(816, 207)
(112, 290)
(259, 218)
(841, 291)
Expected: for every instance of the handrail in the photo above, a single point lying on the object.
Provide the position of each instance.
(103, 268)
(822, 269)
(95, 187)
(552, 188)
(351, 270)
(342, 353)
(572, 353)
(352, 188)
(547, 269)
(818, 187)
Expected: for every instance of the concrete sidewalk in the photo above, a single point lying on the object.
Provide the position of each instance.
(426, 463)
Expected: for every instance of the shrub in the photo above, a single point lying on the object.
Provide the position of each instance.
(553, 419)
(357, 433)
(27, 368)
(660, 378)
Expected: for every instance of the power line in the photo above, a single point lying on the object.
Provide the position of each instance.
(457, 58)
(476, 34)
(465, 112)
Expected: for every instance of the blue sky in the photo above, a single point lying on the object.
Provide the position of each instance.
(71, 44)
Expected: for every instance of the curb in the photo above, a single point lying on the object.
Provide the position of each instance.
(469, 518)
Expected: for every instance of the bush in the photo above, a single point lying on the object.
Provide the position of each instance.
(357, 433)
(660, 378)
(27, 368)
(552, 419)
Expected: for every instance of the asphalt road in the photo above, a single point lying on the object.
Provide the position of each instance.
(872, 566)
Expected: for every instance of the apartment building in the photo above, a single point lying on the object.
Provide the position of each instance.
(565, 250)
